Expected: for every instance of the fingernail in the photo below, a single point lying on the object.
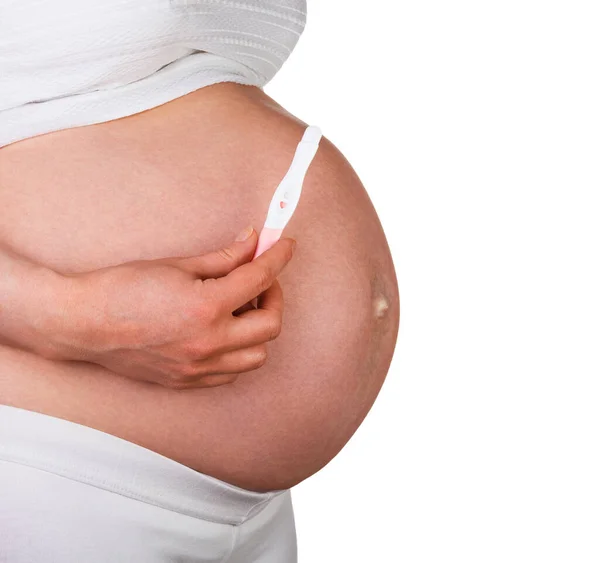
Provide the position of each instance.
(293, 245)
(245, 234)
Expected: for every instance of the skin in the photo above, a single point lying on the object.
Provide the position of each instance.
(181, 180)
(183, 323)
(179, 322)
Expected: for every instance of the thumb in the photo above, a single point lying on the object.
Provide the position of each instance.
(220, 262)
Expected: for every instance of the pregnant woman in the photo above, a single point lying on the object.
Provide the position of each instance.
(150, 409)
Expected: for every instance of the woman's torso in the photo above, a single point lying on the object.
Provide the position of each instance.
(182, 179)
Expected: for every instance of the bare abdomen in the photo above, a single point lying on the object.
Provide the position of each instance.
(183, 179)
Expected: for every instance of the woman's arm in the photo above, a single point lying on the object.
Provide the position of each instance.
(181, 322)
(28, 300)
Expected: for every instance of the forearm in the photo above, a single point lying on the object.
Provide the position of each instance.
(29, 298)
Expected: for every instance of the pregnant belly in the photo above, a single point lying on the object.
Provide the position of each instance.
(180, 180)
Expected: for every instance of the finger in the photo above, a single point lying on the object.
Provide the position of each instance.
(235, 362)
(215, 380)
(271, 298)
(250, 328)
(220, 262)
(256, 326)
(251, 279)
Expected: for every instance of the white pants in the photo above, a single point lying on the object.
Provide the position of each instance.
(72, 494)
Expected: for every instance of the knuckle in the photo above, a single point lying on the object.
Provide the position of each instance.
(209, 346)
(259, 357)
(211, 310)
(227, 254)
(289, 253)
(176, 384)
(187, 371)
(196, 350)
(205, 308)
(273, 328)
(264, 278)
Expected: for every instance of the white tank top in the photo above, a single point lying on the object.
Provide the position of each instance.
(68, 63)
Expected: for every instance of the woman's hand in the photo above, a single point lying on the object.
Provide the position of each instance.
(171, 321)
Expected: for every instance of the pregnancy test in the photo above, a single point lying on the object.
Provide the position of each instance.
(286, 196)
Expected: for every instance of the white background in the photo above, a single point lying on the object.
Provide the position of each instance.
(475, 127)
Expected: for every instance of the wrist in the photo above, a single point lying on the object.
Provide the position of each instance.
(45, 312)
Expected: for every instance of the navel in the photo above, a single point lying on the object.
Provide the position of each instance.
(380, 306)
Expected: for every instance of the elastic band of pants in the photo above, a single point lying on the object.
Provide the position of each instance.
(102, 460)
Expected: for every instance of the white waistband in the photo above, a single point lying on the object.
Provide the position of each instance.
(102, 460)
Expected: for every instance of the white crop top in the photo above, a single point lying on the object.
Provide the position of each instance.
(68, 63)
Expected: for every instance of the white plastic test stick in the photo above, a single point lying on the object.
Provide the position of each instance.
(287, 195)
